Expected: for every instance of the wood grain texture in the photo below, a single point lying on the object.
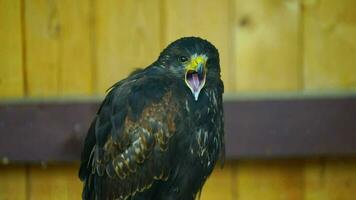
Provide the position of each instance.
(330, 44)
(55, 182)
(13, 182)
(42, 35)
(268, 45)
(329, 63)
(330, 179)
(220, 184)
(270, 180)
(127, 36)
(57, 44)
(75, 74)
(210, 20)
(314, 174)
(12, 177)
(11, 63)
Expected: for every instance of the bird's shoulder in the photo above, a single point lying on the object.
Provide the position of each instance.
(143, 102)
(141, 89)
(144, 92)
(133, 130)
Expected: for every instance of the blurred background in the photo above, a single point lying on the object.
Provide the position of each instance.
(65, 49)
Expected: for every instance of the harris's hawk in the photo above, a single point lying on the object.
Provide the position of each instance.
(159, 132)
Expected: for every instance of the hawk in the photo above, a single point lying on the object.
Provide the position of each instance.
(159, 132)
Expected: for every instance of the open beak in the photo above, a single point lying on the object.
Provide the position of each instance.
(195, 76)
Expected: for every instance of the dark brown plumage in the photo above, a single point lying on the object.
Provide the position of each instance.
(159, 132)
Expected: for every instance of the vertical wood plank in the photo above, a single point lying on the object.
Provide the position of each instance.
(42, 35)
(330, 179)
(127, 34)
(330, 44)
(55, 182)
(270, 180)
(57, 43)
(268, 57)
(12, 178)
(210, 20)
(75, 76)
(314, 173)
(11, 66)
(220, 184)
(329, 63)
(268, 45)
(12, 182)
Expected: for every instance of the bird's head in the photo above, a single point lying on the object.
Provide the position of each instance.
(193, 60)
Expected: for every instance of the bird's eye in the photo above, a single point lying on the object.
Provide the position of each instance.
(183, 59)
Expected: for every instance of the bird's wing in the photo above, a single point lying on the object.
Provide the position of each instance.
(126, 147)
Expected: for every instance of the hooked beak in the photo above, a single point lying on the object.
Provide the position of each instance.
(195, 76)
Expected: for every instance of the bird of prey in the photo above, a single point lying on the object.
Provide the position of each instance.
(159, 132)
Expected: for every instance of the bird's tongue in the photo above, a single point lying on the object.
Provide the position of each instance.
(194, 82)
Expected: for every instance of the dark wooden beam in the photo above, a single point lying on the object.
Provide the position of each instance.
(291, 128)
(45, 131)
(254, 129)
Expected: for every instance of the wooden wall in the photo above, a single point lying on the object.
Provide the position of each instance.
(62, 48)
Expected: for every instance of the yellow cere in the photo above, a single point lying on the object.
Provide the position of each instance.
(195, 60)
